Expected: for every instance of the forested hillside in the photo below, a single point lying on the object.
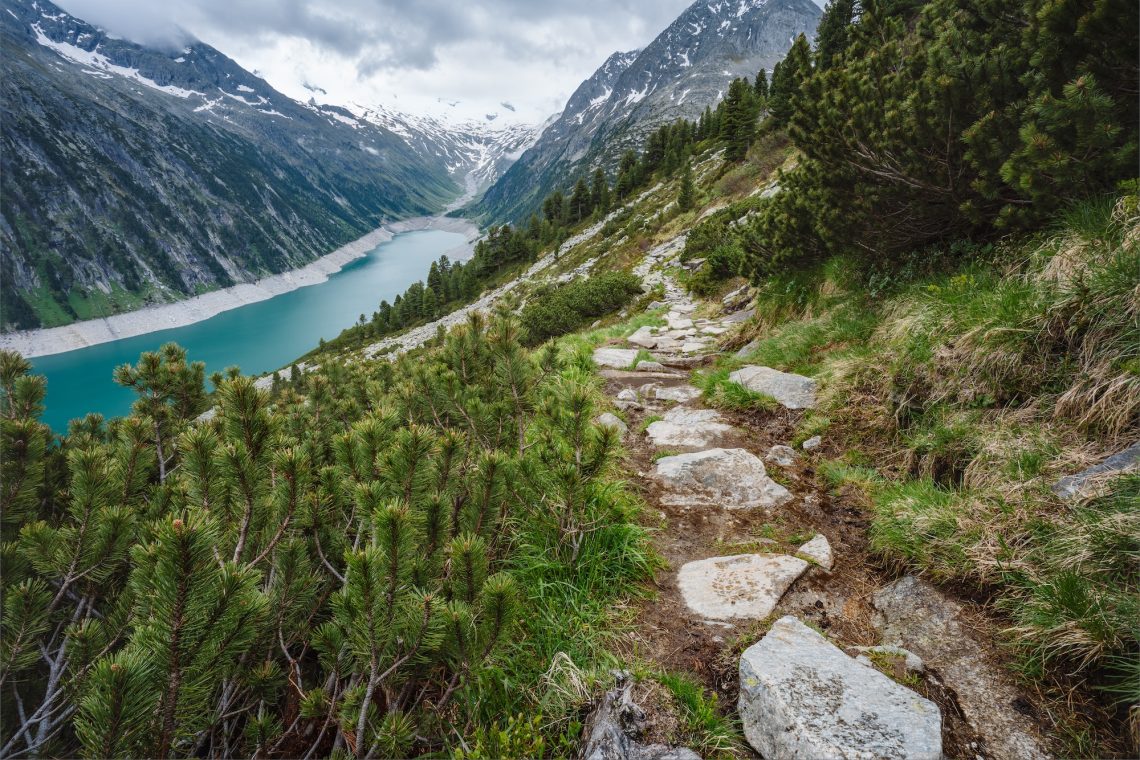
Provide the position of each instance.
(888, 298)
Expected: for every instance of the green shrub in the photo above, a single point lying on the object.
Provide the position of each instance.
(558, 310)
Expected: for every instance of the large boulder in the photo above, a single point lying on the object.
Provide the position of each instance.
(618, 358)
(729, 478)
(802, 697)
(792, 391)
(688, 428)
(744, 586)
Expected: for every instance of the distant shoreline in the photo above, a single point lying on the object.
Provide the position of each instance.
(55, 340)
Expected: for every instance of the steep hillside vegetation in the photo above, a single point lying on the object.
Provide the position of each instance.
(133, 175)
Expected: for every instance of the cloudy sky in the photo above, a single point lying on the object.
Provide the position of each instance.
(411, 55)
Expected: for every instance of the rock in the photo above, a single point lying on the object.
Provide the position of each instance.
(813, 443)
(618, 358)
(612, 421)
(627, 406)
(802, 697)
(818, 550)
(736, 298)
(911, 662)
(656, 305)
(690, 428)
(692, 347)
(646, 390)
(747, 350)
(913, 614)
(678, 393)
(740, 316)
(785, 456)
(685, 307)
(793, 391)
(714, 330)
(729, 478)
(678, 322)
(627, 394)
(611, 730)
(682, 362)
(1084, 483)
(745, 586)
(647, 366)
(643, 337)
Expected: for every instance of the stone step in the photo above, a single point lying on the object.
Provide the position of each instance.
(688, 428)
(743, 586)
(727, 478)
(792, 391)
(802, 697)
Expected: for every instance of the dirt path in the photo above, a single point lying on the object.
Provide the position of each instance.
(671, 635)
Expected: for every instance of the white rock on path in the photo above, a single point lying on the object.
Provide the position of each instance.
(611, 420)
(729, 478)
(679, 393)
(691, 428)
(627, 394)
(813, 443)
(792, 391)
(785, 456)
(744, 586)
(678, 322)
(618, 358)
(802, 697)
(818, 550)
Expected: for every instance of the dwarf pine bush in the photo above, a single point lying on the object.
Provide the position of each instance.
(328, 569)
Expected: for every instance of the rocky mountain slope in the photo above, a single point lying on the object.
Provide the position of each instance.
(686, 68)
(133, 175)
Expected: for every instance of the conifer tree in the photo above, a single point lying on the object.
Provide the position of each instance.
(686, 197)
(761, 85)
(831, 34)
(600, 192)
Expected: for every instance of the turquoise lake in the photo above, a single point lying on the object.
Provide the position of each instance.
(260, 337)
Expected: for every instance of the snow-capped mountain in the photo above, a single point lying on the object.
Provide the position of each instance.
(475, 153)
(130, 174)
(686, 68)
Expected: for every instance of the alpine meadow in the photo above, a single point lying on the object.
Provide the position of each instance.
(778, 397)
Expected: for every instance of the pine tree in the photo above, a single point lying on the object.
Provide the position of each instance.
(831, 34)
(600, 192)
(761, 85)
(580, 207)
(686, 196)
(787, 82)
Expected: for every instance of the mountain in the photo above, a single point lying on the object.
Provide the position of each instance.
(131, 175)
(686, 68)
(475, 153)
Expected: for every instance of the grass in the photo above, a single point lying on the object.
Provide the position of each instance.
(705, 729)
(722, 393)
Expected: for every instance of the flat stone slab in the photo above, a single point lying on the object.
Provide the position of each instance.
(802, 697)
(729, 478)
(911, 613)
(643, 337)
(792, 391)
(678, 322)
(678, 393)
(647, 366)
(818, 550)
(1085, 483)
(691, 428)
(618, 358)
(744, 586)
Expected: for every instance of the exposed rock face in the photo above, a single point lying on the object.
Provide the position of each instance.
(744, 586)
(618, 358)
(158, 174)
(688, 67)
(792, 391)
(818, 550)
(689, 428)
(913, 614)
(731, 478)
(802, 697)
(1084, 483)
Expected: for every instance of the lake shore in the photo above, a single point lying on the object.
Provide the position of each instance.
(55, 340)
